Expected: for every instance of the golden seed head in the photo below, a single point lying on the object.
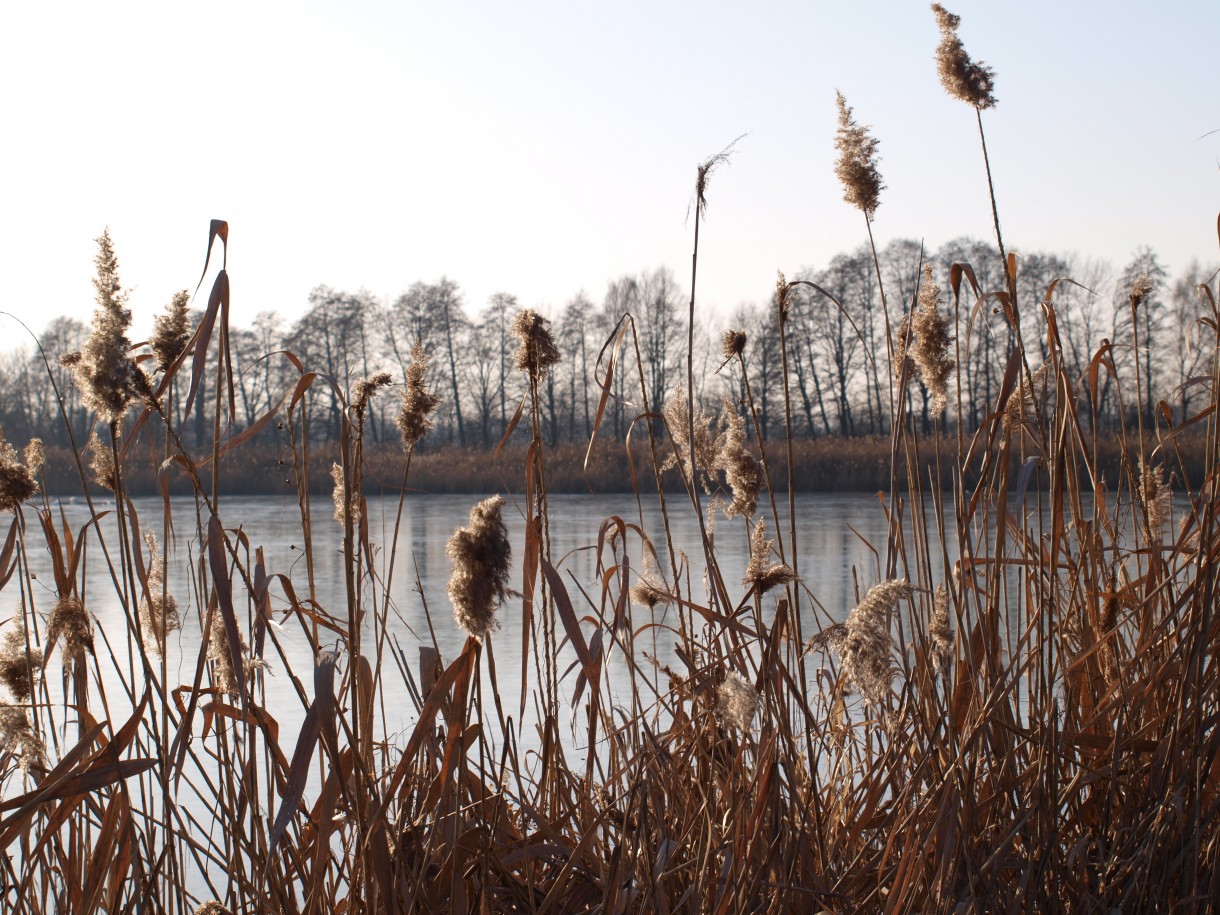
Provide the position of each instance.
(481, 554)
(930, 350)
(103, 369)
(733, 343)
(962, 78)
(742, 472)
(159, 614)
(69, 627)
(736, 701)
(17, 483)
(20, 663)
(101, 462)
(172, 330)
(762, 574)
(365, 390)
(18, 735)
(857, 165)
(340, 496)
(537, 351)
(1141, 289)
(418, 402)
(940, 631)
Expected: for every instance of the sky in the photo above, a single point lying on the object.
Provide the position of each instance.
(545, 148)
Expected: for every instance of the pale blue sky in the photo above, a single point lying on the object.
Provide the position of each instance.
(542, 148)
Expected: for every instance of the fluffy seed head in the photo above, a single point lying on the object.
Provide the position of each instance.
(159, 613)
(365, 390)
(857, 165)
(940, 632)
(733, 343)
(537, 351)
(17, 735)
(930, 350)
(1157, 496)
(212, 908)
(1141, 289)
(101, 462)
(481, 553)
(761, 573)
(69, 628)
(736, 701)
(223, 677)
(866, 646)
(103, 370)
(1023, 402)
(17, 483)
(741, 469)
(340, 496)
(171, 330)
(962, 78)
(418, 402)
(20, 663)
(707, 442)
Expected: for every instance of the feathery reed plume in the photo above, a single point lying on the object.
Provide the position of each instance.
(417, 401)
(365, 390)
(962, 78)
(940, 632)
(761, 573)
(103, 370)
(35, 455)
(864, 642)
(1023, 402)
(1157, 496)
(930, 351)
(481, 554)
(645, 592)
(212, 908)
(782, 288)
(857, 165)
(736, 701)
(902, 340)
(17, 483)
(69, 627)
(741, 469)
(159, 614)
(707, 442)
(1141, 289)
(733, 343)
(537, 351)
(18, 735)
(20, 663)
(223, 676)
(339, 495)
(171, 330)
(101, 462)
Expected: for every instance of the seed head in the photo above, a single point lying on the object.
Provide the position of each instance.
(481, 553)
(223, 677)
(365, 390)
(761, 573)
(101, 462)
(736, 701)
(1023, 403)
(340, 496)
(69, 627)
(930, 351)
(171, 330)
(159, 614)
(733, 343)
(17, 483)
(417, 401)
(1141, 289)
(212, 908)
(962, 78)
(857, 165)
(939, 630)
(741, 469)
(1157, 496)
(537, 351)
(20, 663)
(18, 735)
(103, 370)
(707, 442)
(865, 645)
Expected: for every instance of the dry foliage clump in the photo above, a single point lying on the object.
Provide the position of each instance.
(20, 663)
(481, 554)
(736, 701)
(17, 736)
(17, 479)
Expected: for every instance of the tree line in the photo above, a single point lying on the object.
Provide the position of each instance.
(836, 336)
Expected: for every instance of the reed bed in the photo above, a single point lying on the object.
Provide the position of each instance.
(1019, 713)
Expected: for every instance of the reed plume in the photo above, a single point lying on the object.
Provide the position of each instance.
(103, 370)
(962, 78)
(736, 701)
(536, 352)
(159, 613)
(930, 349)
(857, 164)
(733, 343)
(1156, 495)
(69, 627)
(940, 632)
(101, 462)
(414, 417)
(171, 330)
(17, 735)
(762, 574)
(741, 469)
(20, 662)
(481, 553)
(864, 642)
(17, 483)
